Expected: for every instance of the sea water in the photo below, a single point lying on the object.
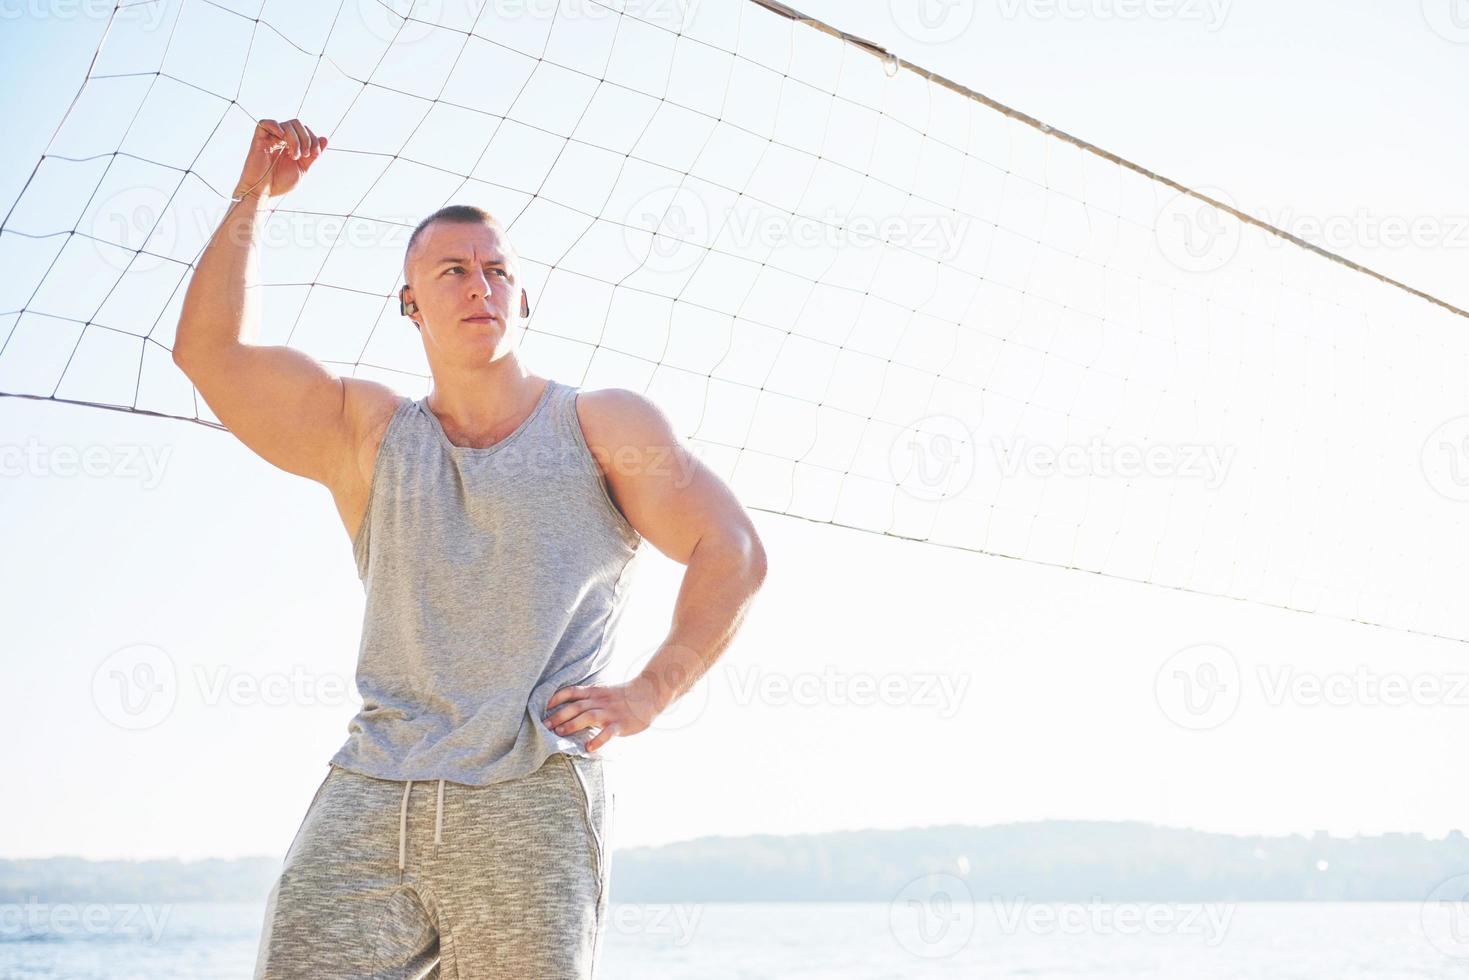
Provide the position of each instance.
(842, 941)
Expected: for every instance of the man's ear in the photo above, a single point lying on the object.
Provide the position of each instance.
(406, 306)
(524, 305)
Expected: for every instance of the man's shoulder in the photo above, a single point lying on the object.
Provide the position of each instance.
(368, 407)
(612, 417)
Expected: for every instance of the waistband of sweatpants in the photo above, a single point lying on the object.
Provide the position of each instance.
(439, 808)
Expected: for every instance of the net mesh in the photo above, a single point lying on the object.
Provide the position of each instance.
(862, 295)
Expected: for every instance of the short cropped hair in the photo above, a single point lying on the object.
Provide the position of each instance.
(464, 214)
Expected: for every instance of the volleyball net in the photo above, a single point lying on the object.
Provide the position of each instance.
(863, 294)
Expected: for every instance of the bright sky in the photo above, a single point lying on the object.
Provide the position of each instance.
(1014, 691)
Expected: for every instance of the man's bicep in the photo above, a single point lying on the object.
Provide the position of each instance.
(666, 492)
(281, 403)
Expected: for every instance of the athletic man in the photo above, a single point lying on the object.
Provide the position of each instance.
(493, 523)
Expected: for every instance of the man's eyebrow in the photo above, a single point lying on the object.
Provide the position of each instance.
(499, 262)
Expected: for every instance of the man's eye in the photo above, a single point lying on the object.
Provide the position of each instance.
(455, 268)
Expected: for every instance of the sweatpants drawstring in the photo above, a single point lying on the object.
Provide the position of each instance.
(439, 815)
(403, 825)
(403, 830)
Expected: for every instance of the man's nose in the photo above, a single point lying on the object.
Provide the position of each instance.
(479, 286)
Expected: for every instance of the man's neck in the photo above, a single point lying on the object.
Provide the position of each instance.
(483, 410)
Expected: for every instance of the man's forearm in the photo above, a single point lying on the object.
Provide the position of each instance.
(721, 578)
(221, 305)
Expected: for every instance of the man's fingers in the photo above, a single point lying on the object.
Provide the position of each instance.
(603, 737)
(271, 127)
(587, 718)
(298, 138)
(572, 704)
(315, 144)
(576, 719)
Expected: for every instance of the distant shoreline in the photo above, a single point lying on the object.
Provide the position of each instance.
(1046, 861)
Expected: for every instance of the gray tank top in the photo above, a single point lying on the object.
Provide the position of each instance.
(494, 577)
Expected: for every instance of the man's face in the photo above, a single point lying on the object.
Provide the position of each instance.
(466, 282)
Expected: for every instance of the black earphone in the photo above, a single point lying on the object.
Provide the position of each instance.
(407, 306)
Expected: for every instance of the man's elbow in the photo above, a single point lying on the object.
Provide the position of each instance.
(758, 564)
(752, 556)
(178, 351)
(184, 362)
(184, 349)
(736, 551)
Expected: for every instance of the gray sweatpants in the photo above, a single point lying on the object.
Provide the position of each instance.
(395, 880)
